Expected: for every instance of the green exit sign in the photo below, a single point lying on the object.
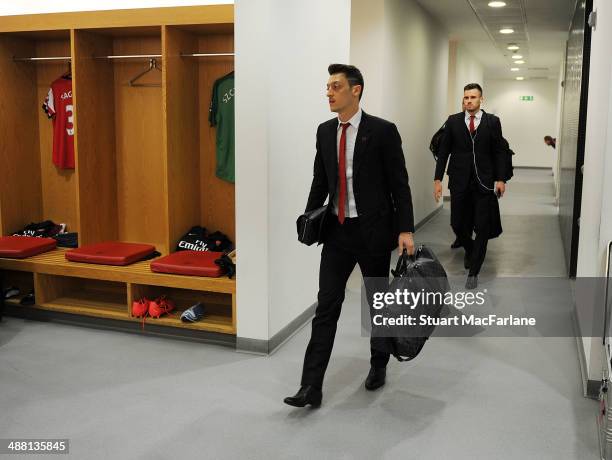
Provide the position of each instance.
(526, 98)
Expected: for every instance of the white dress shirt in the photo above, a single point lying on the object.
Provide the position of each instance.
(477, 118)
(350, 208)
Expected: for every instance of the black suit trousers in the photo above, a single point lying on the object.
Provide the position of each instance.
(344, 247)
(471, 212)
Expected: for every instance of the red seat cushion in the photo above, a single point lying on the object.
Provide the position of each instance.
(195, 263)
(110, 253)
(20, 247)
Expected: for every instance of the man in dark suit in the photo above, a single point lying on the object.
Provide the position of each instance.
(477, 172)
(360, 165)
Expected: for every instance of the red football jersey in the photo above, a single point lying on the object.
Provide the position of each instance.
(58, 107)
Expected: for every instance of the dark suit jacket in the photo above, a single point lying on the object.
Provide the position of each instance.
(380, 181)
(488, 147)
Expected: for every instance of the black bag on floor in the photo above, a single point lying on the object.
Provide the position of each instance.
(422, 272)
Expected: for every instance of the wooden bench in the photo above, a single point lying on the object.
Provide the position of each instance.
(108, 291)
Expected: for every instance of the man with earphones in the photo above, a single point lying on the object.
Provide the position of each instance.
(476, 177)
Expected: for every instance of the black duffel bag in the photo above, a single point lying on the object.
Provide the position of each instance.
(424, 273)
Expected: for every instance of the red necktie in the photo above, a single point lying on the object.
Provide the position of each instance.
(472, 128)
(342, 173)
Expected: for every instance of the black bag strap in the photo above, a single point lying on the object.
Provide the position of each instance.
(402, 264)
(225, 262)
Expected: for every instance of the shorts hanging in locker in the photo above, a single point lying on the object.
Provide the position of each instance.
(58, 106)
(221, 115)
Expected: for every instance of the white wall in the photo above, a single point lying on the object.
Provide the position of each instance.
(403, 54)
(253, 56)
(464, 68)
(37, 7)
(367, 41)
(417, 68)
(283, 48)
(596, 206)
(605, 234)
(525, 123)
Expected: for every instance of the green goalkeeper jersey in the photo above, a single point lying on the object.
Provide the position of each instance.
(221, 115)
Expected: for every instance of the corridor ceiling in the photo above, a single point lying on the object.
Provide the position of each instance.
(540, 28)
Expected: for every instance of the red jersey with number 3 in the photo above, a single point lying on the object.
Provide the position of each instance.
(58, 107)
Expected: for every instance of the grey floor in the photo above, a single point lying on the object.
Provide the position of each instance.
(118, 395)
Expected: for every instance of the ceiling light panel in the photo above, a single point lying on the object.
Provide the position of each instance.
(494, 19)
(512, 16)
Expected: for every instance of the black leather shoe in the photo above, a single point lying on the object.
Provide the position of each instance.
(307, 395)
(472, 282)
(456, 244)
(375, 378)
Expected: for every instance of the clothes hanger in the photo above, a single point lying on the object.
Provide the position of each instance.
(152, 66)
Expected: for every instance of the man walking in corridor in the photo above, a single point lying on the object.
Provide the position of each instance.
(477, 172)
(360, 165)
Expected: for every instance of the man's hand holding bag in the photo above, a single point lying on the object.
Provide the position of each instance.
(310, 225)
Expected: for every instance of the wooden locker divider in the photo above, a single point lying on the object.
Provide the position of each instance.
(20, 200)
(182, 159)
(93, 91)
